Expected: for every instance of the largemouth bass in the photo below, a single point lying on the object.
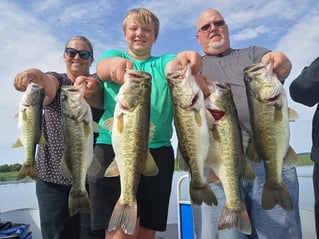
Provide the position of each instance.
(226, 155)
(30, 127)
(130, 137)
(192, 132)
(270, 117)
(78, 159)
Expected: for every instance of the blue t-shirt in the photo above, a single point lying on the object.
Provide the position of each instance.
(161, 104)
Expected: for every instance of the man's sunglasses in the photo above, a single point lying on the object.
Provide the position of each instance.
(71, 52)
(207, 26)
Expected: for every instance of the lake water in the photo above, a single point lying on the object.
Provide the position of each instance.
(15, 195)
(22, 195)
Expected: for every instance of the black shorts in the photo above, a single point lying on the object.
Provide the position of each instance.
(153, 192)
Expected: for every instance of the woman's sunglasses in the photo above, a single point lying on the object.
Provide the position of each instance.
(71, 52)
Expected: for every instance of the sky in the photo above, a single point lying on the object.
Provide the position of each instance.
(33, 34)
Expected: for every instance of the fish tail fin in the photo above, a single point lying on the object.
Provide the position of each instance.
(27, 170)
(200, 194)
(276, 195)
(124, 216)
(237, 218)
(78, 201)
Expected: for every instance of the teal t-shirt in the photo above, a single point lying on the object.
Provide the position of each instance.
(161, 104)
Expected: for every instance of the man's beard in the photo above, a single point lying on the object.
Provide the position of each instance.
(216, 45)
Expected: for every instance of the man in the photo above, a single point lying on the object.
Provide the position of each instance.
(222, 63)
(304, 89)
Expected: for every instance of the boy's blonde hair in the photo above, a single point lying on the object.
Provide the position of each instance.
(143, 16)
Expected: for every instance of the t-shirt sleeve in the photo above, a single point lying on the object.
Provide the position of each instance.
(111, 53)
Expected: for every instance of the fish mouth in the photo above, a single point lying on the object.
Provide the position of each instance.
(276, 97)
(194, 100)
(217, 114)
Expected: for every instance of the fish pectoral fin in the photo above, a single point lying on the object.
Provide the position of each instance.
(291, 158)
(198, 118)
(112, 170)
(65, 169)
(17, 144)
(95, 167)
(150, 167)
(292, 114)
(24, 115)
(87, 128)
(120, 123)
(216, 134)
(252, 153)
(278, 115)
(180, 161)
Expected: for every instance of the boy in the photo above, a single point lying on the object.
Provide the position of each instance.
(140, 27)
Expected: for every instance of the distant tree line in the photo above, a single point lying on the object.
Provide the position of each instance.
(10, 167)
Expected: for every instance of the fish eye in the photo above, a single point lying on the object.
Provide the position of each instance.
(63, 97)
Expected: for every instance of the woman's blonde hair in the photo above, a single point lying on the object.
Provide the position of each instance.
(143, 16)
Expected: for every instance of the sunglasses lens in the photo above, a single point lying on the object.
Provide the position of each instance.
(84, 55)
(72, 53)
(219, 23)
(205, 27)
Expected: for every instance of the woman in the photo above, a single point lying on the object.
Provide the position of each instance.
(52, 188)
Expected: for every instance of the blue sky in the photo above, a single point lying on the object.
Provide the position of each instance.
(33, 34)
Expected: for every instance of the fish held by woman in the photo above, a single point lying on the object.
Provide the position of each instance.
(78, 159)
(30, 128)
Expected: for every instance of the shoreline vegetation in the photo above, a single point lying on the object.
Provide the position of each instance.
(8, 173)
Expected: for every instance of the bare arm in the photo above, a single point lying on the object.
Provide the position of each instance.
(49, 83)
(282, 65)
(113, 69)
(182, 59)
(93, 90)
